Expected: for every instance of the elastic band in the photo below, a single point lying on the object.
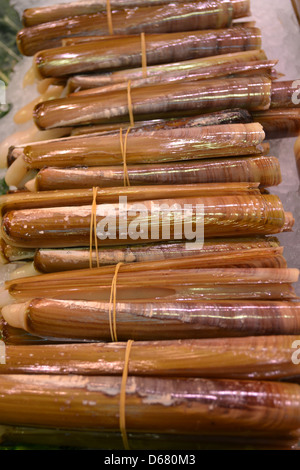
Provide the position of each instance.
(112, 314)
(130, 109)
(123, 396)
(109, 18)
(126, 175)
(93, 228)
(124, 154)
(144, 55)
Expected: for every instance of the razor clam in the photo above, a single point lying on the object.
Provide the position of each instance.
(285, 94)
(25, 114)
(279, 123)
(232, 116)
(64, 259)
(32, 134)
(296, 5)
(17, 336)
(9, 254)
(229, 70)
(170, 18)
(249, 258)
(136, 283)
(229, 116)
(263, 170)
(154, 405)
(163, 100)
(297, 154)
(167, 71)
(46, 261)
(165, 145)
(195, 291)
(235, 358)
(79, 197)
(222, 216)
(35, 16)
(126, 51)
(156, 320)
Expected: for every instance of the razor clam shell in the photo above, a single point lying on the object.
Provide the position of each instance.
(167, 145)
(230, 70)
(170, 18)
(249, 358)
(230, 116)
(238, 358)
(9, 254)
(19, 337)
(296, 5)
(279, 123)
(48, 261)
(285, 94)
(161, 49)
(223, 216)
(35, 16)
(140, 282)
(131, 254)
(178, 293)
(252, 260)
(155, 405)
(236, 59)
(157, 284)
(156, 101)
(55, 260)
(152, 321)
(80, 197)
(234, 116)
(297, 154)
(263, 170)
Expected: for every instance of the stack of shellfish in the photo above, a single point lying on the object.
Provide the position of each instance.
(167, 104)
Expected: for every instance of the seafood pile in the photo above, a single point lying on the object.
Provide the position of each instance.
(149, 338)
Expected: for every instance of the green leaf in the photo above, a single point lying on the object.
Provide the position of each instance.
(10, 24)
(4, 109)
(3, 187)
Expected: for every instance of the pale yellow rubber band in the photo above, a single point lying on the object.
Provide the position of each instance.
(93, 229)
(123, 396)
(144, 55)
(126, 175)
(112, 314)
(130, 109)
(109, 18)
(95, 191)
(124, 153)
